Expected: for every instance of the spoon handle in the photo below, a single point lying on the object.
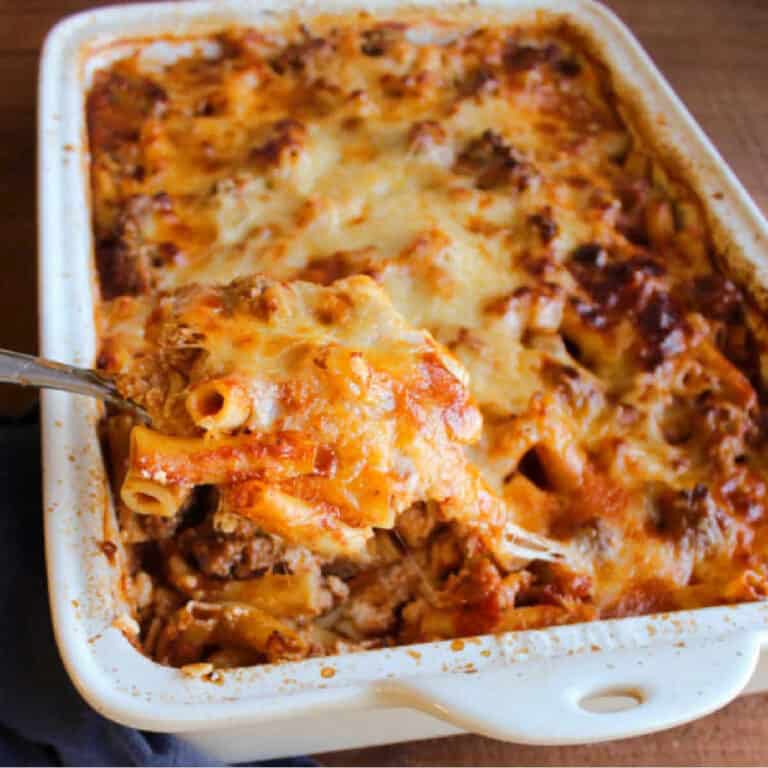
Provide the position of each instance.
(29, 371)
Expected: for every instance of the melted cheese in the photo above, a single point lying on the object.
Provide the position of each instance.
(386, 408)
(486, 180)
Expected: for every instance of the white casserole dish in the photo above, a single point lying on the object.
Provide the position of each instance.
(524, 686)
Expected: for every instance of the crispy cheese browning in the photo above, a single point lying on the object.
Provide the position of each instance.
(399, 187)
(344, 415)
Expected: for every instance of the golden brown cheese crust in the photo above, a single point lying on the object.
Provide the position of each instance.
(305, 400)
(488, 182)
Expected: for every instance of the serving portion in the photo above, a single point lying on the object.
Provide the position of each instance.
(306, 422)
(467, 297)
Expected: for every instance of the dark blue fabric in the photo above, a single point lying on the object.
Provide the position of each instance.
(43, 720)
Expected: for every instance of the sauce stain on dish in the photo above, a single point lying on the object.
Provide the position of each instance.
(109, 550)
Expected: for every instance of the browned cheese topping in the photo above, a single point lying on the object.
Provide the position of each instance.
(465, 288)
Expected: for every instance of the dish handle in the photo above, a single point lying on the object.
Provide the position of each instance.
(588, 698)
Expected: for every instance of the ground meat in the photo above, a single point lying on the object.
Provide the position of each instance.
(445, 552)
(374, 603)
(228, 555)
(118, 105)
(477, 595)
(121, 270)
(478, 579)
(616, 287)
(619, 289)
(494, 163)
(416, 524)
(555, 584)
(122, 259)
(691, 517)
(661, 322)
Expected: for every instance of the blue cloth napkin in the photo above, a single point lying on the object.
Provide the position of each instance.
(43, 720)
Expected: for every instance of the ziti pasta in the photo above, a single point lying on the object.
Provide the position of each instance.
(387, 293)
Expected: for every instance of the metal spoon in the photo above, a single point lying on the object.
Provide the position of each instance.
(29, 371)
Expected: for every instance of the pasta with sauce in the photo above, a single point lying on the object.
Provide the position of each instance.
(384, 292)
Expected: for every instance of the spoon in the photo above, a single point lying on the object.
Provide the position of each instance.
(30, 371)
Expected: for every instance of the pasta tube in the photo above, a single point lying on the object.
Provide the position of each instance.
(279, 594)
(219, 405)
(196, 461)
(148, 497)
(296, 520)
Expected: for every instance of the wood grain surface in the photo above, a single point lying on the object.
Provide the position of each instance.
(715, 54)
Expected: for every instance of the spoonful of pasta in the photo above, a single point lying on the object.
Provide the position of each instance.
(316, 412)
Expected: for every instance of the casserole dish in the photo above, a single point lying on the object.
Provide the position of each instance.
(372, 687)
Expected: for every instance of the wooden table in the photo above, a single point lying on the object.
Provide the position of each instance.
(713, 52)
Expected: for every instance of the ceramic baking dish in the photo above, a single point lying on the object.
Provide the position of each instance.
(580, 683)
